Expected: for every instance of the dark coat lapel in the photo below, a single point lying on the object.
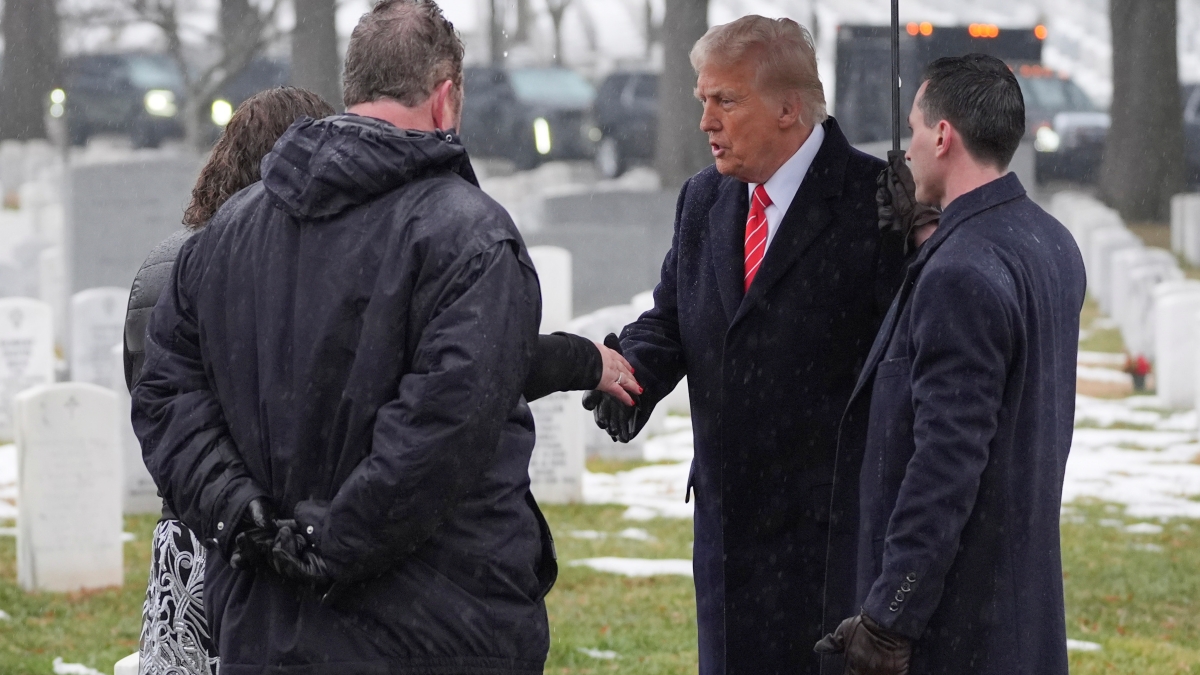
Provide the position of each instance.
(727, 231)
(808, 216)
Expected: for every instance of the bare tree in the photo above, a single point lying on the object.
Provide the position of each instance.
(525, 20)
(496, 32)
(556, 9)
(1143, 159)
(682, 148)
(651, 28)
(248, 29)
(315, 61)
(31, 56)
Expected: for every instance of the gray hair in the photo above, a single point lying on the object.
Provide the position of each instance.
(786, 55)
(401, 50)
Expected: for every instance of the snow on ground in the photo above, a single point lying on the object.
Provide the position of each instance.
(637, 567)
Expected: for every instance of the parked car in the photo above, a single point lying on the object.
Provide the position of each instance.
(1068, 129)
(626, 111)
(262, 73)
(1191, 133)
(134, 93)
(528, 115)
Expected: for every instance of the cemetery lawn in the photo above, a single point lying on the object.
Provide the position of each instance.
(1136, 595)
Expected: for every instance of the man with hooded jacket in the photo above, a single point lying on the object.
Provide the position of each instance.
(344, 346)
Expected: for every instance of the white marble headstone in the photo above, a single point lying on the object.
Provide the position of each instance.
(1177, 340)
(69, 517)
(141, 494)
(557, 465)
(26, 353)
(97, 323)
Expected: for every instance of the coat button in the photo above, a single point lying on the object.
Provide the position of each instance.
(911, 578)
(894, 606)
(309, 529)
(906, 587)
(220, 526)
(899, 596)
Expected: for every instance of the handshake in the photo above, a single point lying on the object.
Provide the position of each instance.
(266, 542)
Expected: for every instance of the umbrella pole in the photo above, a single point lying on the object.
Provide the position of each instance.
(896, 122)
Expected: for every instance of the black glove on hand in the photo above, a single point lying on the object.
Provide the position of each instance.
(611, 415)
(255, 536)
(293, 557)
(869, 649)
(896, 200)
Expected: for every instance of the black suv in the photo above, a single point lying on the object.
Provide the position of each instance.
(137, 93)
(1068, 130)
(626, 110)
(528, 115)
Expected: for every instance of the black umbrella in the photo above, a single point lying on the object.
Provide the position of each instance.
(896, 76)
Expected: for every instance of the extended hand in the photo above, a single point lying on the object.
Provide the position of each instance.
(293, 557)
(256, 535)
(617, 378)
(869, 649)
(897, 205)
(613, 414)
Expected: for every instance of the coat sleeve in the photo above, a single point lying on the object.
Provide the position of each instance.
(652, 344)
(962, 348)
(185, 441)
(563, 362)
(432, 443)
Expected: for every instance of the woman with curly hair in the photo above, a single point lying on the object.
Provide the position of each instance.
(175, 634)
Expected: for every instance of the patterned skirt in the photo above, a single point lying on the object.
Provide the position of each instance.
(175, 638)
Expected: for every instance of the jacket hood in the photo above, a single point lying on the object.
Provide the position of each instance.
(320, 168)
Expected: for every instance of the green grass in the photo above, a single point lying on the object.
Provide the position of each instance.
(95, 628)
(1098, 340)
(1140, 605)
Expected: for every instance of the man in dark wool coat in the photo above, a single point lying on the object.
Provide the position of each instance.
(776, 282)
(345, 344)
(951, 460)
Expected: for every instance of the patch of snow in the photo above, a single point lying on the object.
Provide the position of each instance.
(638, 567)
(61, 668)
(8, 531)
(128, 537)
(1151, 548)
(1180, 421)
(675, 446)
(586, 534)
(599, 653)
(636, 534)
(1146, 440)
(1144, 528)
(4, 616)
(1092, 374)
(656, 490)
(1150, 484)
(640, 513)
(1105, 413)
(1111, 522)
(1082, 646)
(1103, 359)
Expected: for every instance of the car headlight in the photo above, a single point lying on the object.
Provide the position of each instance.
(222, 112)
(541, 136)
(1046, 140)
(58, 99)
(594, 134)
(161, 103)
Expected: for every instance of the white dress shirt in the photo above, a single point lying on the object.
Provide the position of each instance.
(783, 186)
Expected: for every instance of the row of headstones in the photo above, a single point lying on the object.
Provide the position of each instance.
(32, 219)
(80, 465)
(1143, 290)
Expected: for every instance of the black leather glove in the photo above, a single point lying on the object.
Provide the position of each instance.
(255, 536)
(896, 201)
(611, 415)
(869, 649)
(293, 557)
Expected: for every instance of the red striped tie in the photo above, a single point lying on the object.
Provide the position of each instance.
(756, 233)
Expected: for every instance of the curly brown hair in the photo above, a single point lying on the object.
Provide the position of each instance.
(249, 136)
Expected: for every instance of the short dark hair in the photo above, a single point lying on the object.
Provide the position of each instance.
(981, 98)
(401, 50)
(251, 133)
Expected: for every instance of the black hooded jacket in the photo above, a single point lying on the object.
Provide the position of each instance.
(350, 338)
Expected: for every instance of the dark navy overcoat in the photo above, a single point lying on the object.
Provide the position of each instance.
(769, 373)
(950, 468)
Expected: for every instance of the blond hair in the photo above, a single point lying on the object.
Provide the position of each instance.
(786, 55)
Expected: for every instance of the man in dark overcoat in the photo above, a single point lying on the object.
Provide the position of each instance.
(950, 466)
(776, 281)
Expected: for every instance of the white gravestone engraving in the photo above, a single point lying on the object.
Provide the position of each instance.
(557, 465)
(141, 494)
(69, 518)
(97, 323)
(26, 353)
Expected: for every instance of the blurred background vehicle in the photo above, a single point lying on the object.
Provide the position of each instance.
(528, 115)
(135, 93)
(626, 112)
(262, 73)
(1068, 129)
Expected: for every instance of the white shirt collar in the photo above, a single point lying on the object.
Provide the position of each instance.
(783, 186)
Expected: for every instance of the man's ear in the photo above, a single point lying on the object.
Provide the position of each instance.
(445, 105)
(945, 139)
(790, 110)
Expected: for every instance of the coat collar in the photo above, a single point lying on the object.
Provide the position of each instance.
(807, 217)
(1000, 191)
